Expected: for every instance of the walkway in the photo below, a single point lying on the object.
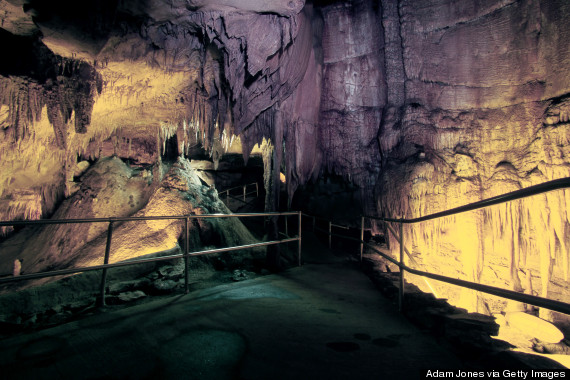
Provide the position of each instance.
(320, 321)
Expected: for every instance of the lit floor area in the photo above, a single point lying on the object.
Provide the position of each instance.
(320, 321)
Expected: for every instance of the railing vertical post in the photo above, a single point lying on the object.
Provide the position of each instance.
(227, 197)
(256, 190)
(330, 234)
(299, 246)
(186, 252)
(361, 237)
(103, 285)
(385, 226)
(244, 191)
(401, 291)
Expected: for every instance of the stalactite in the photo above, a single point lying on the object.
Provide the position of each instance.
(74, 90)
(25, 100)
(25, 205)
(207, 117)
(181, 138)
(56, 119)
(165, 132)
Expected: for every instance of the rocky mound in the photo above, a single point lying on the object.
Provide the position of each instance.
(111, 189)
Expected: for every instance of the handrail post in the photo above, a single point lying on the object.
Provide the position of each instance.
(330, 234)
(101, 301)
(361, 237)
(244, 191)
(401, 290)
(386, 232)
(299, 246)
(256, 190)
(228, 197)
(186, 252)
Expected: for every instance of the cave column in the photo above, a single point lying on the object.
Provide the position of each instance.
(267, 154)
(272, 158)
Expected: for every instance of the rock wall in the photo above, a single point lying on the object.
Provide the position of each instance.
(354, 91)
(142, 73)
(485, 114)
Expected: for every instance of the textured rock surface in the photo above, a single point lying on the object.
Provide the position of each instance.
(484, 90)
(423, 105)
(354, 91)
(197, 71)
(110, 188)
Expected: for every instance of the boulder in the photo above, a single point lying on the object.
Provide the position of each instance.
(534, 326)
(131, 296)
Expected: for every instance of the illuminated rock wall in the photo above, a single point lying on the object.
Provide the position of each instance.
(486, 113)
(110, 188)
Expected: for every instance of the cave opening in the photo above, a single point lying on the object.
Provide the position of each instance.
(331, 196)
(170, 152)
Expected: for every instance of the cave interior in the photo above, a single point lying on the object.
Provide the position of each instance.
(385, 108)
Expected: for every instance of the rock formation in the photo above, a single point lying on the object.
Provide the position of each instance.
(111, 189)
(484, 90)
(422, 105)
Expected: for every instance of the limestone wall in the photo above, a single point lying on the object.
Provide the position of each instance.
(486, 113)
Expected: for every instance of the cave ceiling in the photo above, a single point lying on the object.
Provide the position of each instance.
(134, 73)
(375, 91)
(155, 57)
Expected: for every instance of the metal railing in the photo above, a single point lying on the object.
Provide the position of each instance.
(244, 192)
(504, 293)
(509, 294)
(330, 225)
(186, 255)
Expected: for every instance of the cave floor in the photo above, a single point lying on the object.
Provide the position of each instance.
(317, 321)
(325, 319)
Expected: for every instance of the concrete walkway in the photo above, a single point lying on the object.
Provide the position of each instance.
(320, 321)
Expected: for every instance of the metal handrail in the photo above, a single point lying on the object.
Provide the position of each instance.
(242, 200)
(60, 272)
(504, 293)
(238, 187)
(106, 265)
(545, 187)
(245, 193)
(134, 218)
(330, 225)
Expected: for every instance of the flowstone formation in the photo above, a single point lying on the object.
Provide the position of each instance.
(485, 113)
(110, 188)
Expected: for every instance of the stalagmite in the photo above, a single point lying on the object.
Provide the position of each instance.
(111, 188)
(17, 267)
